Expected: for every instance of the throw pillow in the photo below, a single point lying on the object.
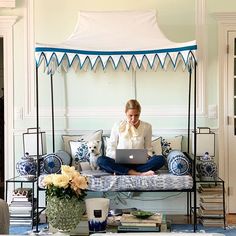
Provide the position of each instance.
(80, 152)
(178, 163)
(156, 145)
(105, 140)
(97, 135)
(170, 144)
(51, 164)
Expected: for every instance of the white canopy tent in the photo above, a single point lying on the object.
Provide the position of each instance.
(130, 38)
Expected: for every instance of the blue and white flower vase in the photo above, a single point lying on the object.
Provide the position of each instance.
(207, 168)
(26, 165)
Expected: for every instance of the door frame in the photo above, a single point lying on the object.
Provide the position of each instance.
(226, 23)
(6, 32)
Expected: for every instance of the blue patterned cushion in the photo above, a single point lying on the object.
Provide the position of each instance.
(170, 144)
(96, 135)
(164, 181)
(79, 152)
(51, 163)
(178, 163)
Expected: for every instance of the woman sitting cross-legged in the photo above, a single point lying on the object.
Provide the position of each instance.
(131, 133)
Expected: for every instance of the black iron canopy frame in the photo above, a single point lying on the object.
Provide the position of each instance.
(192, 108)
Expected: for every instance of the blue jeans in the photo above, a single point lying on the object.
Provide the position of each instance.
(109, 165)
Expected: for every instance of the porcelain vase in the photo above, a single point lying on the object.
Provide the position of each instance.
(207, 170)
(26, 166)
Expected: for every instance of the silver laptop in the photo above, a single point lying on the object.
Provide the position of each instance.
(131, 156)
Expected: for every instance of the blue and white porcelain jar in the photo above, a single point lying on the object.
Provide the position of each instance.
(26, 165)
(207, 168)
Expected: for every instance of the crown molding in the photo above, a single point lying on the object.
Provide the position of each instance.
(8, 3)
(7, 21)
(225, 16)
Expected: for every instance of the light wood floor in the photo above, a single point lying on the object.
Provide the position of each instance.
(183, 219)
(231, 219)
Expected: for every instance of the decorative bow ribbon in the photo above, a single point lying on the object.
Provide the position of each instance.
(128, 130)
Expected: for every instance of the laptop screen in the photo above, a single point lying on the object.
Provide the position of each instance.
(131, 156)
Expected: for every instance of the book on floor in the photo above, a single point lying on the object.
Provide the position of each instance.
(122, 228)
(129, 219)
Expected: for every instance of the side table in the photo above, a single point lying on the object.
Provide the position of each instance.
(23, 182)
(214, 187)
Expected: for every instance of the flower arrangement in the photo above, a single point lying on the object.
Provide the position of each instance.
(67, 185)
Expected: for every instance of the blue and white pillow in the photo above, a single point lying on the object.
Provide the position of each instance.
(79, 153)
(178, 163)
(170, 144)
(96, 135)
(51, 164)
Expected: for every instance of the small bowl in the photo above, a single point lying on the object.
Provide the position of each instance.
(142, 214)
(28, 177)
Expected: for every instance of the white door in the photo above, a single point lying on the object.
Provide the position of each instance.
(231, 107)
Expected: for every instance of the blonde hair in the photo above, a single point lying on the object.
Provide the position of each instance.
(133, 104)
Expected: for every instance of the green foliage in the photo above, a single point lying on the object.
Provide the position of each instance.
(68, 193)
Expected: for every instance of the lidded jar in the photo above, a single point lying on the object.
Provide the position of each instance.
(207, 168)
(26, 165)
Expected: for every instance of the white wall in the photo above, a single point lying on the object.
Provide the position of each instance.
(162, 94)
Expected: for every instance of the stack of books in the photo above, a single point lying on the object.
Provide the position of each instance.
(21, 207)
(211, 208)
(130, 223)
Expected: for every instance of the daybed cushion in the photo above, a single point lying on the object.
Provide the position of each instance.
(163, 181)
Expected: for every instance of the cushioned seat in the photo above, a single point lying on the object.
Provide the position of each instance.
(165, 181)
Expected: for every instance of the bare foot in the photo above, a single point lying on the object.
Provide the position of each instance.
(134, 172)
(150, 172)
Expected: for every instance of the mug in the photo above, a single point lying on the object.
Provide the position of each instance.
(97, 212)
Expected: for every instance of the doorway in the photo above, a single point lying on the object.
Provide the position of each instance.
(231, 120)
(2, 164)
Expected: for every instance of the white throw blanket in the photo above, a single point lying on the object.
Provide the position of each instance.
(4, 217)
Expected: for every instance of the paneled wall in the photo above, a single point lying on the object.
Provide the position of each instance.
(86, 101)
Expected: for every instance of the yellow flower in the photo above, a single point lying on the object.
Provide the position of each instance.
(79, 182)
(68, 179)
(61, 181)
(47, 180)
(68, 171)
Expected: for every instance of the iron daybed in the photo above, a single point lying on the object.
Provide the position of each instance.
(152, 49)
